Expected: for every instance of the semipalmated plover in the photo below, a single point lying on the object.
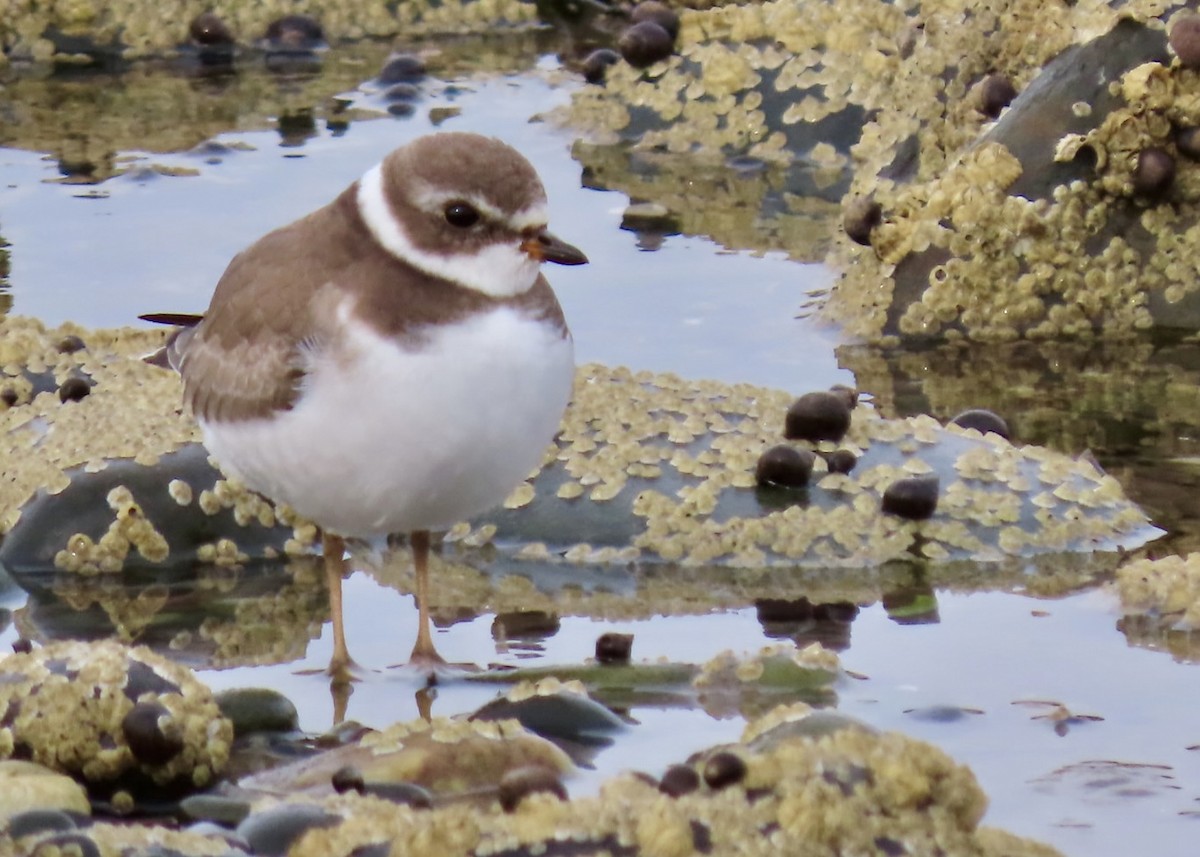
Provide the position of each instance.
(394, 361)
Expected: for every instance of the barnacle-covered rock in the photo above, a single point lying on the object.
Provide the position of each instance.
(125, 721)
(821, 784)
(1068, 216)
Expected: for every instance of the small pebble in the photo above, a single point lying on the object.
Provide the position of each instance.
(1154, 173)
(822, 415)
(70, 344)
(614, 648)
(724, 769)
(153, 737)
(1187, 141)
(913, 497)
(995, 93)
(983, 421)
(595, 65)
(209, 31)
(644, 44)
(295, 33)
(659, 13)
(785, 466)
(404, 794)
(840, 461)
(519, 783)
(862, 214)
(401, 68)
(73, 389)
(679, 780)
(1185, 40)
(347, 779)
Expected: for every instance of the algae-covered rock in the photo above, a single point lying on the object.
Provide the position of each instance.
(126, 721)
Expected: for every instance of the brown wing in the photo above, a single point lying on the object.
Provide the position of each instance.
(247, 358)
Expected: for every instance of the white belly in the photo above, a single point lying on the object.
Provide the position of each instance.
(393, 440)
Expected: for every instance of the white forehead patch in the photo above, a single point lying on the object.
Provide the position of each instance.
(498, 270)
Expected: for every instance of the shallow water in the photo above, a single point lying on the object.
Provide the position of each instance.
(101, 253)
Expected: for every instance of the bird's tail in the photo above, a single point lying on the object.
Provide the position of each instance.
(170, 355)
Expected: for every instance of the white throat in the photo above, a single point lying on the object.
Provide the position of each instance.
(498, 270)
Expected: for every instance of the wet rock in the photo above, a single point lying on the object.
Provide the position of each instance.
(799, 721)
(995, 93)
(784, 466)
(644, 44)
(817, 416)
(913, 497)
(1185, 40)
(659, 13)
(39, 821)
(459, 758)
(1154, 173)
(219, 809)
(401, 68)
(679, 780)
(724, 769)
(554, 710)
(519, 784)
(273, 831)
(26, 787)
(614, 648)
(983, 421)
(258, 709)
(596, 64)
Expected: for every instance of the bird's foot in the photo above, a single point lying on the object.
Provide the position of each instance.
(433, 668)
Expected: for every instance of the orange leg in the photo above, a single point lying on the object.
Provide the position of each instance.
(340, 663)
(423, 653)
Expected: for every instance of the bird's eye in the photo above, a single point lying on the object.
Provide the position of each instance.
(461, 214)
